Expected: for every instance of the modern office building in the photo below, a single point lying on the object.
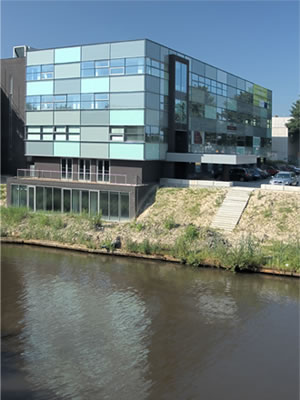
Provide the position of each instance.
(104, 122)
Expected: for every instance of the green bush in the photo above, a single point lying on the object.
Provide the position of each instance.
(246, 254)
(137, 226)
(13, 215)
(191, 232)
(96, 220)
(170, 223)
(284, 255)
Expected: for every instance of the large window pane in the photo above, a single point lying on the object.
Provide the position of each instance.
(93, 203)
(114, 205)
(48, 193)
(23, 196)
(15, 195)
(67, 200)
(124, 199)
(104, 203)
(31, 198)
(56, 199)
(75, 201)
(39, 198)
(180, 111)
(84, 201)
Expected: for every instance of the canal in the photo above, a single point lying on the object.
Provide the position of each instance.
(81, 326)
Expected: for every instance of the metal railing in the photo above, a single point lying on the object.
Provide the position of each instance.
(74, 176)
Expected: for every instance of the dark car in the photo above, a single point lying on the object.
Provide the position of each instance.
(263, 173)
(255, 173)
(240, 174)
(270, 170)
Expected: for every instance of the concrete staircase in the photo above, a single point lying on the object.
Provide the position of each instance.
(232, 208)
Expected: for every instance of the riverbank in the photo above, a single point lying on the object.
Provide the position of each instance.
(156, 257)
(177, 228)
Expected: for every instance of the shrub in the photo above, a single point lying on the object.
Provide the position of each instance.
(137, 226)
(284, 255)
(191, 232)
(247, 253)
(96, 220)
(170, 223)
(13, 215)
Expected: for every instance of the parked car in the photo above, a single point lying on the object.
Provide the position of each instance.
(263, 173)
(255, 173)
(240, 174)
(295, 169)
(270, 170)
(284, 178)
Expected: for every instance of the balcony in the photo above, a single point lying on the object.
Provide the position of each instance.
(86, 177)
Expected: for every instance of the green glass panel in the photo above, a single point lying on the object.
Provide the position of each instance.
(39, 198)
(75, 201)
(114, 205)
(84, 201)
(93, 203)
(23, 196)
(56, 199)
(31, 198)
(104, 203)
(67, 200)
(48, 194)
(124, 199)
(15, 195)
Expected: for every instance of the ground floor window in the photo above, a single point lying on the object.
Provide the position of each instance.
(113, 205)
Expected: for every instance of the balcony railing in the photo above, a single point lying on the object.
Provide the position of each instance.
(72, 176)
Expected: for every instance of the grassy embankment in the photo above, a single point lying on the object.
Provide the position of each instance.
(177, 225)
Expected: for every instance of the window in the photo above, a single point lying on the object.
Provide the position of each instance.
(39, 72)
(118, 62)
(73, 101)
(33, 103)
(103, 171)
(85, 170)
(117, 71)
(180, 111)
(101, 101)
(66, 168)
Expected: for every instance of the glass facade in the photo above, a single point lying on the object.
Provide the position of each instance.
(113, 205)
(127, 92)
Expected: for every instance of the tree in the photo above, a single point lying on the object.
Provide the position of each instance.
(294, 124)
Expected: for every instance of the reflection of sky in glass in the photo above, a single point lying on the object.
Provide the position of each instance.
(81, 341)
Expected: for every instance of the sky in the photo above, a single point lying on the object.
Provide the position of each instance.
(256, 40)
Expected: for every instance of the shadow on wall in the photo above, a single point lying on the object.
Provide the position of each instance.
(145, 197)
(12, 138)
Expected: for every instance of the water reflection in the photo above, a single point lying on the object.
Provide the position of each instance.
(87, 327)
(75, 333)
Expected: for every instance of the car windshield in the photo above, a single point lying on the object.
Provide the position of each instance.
(281, 176)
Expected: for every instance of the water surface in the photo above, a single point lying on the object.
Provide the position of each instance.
(80, 326)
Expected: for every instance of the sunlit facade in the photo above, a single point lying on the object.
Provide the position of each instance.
(106, 121)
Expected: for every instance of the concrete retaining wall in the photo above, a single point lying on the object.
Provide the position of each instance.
(281, 188)
(192, 183)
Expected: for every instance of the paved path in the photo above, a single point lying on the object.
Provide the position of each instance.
(232, 208)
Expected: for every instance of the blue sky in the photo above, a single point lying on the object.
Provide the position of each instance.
(257, 40)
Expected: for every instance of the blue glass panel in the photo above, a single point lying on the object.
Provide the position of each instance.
(102, 71)
(119, 62)
(103, 63)
(135, 61)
